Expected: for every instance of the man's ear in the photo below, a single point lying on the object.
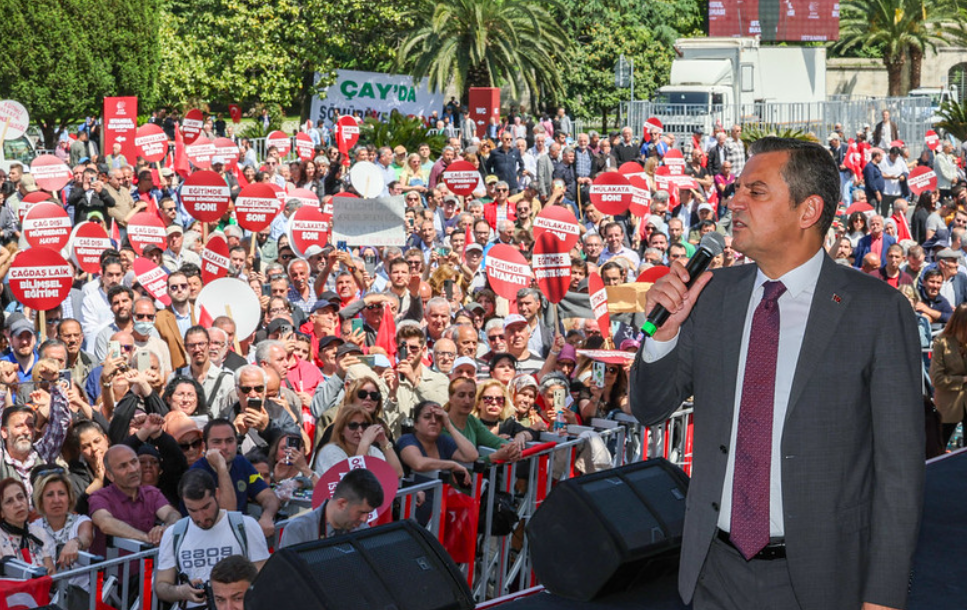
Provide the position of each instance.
(811, 211)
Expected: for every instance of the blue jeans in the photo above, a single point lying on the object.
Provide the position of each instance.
(846, 187)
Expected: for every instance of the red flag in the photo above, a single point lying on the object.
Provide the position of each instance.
(182, 167)
(205, 318)
(468, 235)
(236, 113)
(22, 594)
(240, 176)
(460, 526)
(116, 234)
(386, 337)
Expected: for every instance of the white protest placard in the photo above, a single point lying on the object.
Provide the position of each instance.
(369, 222)
(374, 92)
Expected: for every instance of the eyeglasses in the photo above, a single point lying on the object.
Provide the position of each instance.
(358, 425)
(373, 306)
(279, 310)
(195, 444)
(200, 345)
(126, 348)
(374, 396)
(248, 389)
(177, 287)
(414, 263)
(144, 316)
(498, 400)
(502, 190)
(448, 355)
(495, 337)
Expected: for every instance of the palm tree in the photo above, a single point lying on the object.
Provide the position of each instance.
(485, 43)
(953, 119)
(899, 26)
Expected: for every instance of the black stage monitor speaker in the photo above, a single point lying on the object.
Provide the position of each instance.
(596, 533)
(398, 566)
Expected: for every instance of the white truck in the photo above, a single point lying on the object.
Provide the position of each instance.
(734, 80)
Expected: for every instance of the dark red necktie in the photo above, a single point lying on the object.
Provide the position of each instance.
(749, 528)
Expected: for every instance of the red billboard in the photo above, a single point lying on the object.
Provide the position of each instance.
(120, 125)
(484, 103)
(775, 20)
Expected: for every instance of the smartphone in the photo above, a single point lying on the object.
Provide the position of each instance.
(64, 375)
(342, 247)
(403, 351)
(369, 361)
(443, 251)
(114, 349)
(357, 325)
(597, 374)
(560, 395)
(254, 404)
(448, 289)
(143, 361)
(293, 442)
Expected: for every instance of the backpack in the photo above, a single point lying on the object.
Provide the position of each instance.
(236, 523)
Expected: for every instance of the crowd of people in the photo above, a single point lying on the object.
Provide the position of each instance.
(123, 416)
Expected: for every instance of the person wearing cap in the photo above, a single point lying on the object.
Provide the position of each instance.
(518, 333)
(877, 241)
(954, 287)
(323, 322)
(22, 339)
(185, 431)
(464, 366)
(706, 214)
(176, 255)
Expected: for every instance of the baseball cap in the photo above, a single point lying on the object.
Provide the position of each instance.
(474, 306)
(328, 340)
(323, 303)
(174, 229)
(706, 206)
(474, 246)
(28, 184)
(464, 361)
(313, 250)
(491, 179)
(568, 353)
(167, 172)
(178, 425)
(348, 348)
(947, 253)
(514, 318)
(21, 325)
(218, 161)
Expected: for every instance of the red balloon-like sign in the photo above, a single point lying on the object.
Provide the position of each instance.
(461, 177)
(88, 242)
(47, 225)
(308, 227)
(151, 142)
(599, 303)
(611, 193)
(921, 179)
(30, 200)
(385, 474)
(507, 270)
(347, 132)
(227, 151)
(50, 173)
(560, 222)
(640, 197)
(152, 278)
(932, 140)
(281, 141)
(40, 278)
(201, 152)
(214, 259)
(304, 146)
(653, 274)
(192, 125)
(675, 162)
(631, 168)
(306, 196)
(280, 193)
(256, 206)
(206, 196)
(146, 228)
(552, 267)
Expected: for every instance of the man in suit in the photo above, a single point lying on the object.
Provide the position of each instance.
(808, 447)
(876, 242)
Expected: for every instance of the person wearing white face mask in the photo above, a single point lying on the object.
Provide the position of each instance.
(145, 334)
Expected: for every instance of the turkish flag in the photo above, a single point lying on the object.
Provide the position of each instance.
(182, 168)
(236, 113)
(205, 318)
(386, 337)
(23, 594)
(461, 514)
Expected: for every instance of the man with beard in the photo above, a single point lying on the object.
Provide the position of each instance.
(215, 380)
(208, 532)
(79, 362)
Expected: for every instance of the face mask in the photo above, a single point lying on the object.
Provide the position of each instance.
(143, 328)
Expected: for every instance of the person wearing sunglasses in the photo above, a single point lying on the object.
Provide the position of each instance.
(259, 420)
(173, 322)
(501, 208)
(356, 433)
(467, 402)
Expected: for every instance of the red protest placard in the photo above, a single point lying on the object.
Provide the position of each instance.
(14, 118)
(347, 133)
(192, 125)
(214, 259)
(306, 196)
(152, 278)
(552, 267)
(560, 222)
(611, 193)
(88, 241)
(50, 173)
(675, 162)
(30, 200)
(280, 193)
(599, 303)
(608, 356)
(653, 274)
(280, 140)
(304, 146)
(40, 278)
(151, 143)
(146, 228)
(640, 197)
(921, 179)
(631, 168)
(507, 270)
(461, 177)
(201, 152)
(47, 225)
(227, 151)
(326, 485)
(308, 226)
(932, 140)
(256, 206)
(206, 196)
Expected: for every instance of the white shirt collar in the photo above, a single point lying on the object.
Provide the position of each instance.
(801, 279)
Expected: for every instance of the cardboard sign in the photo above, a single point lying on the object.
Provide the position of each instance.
(675, 162)
(552, 267)
(560, 222)
(201, 152)
(375, 222)
(281, 141)
(304, 146)
(40, 278)
(234, 298)
(507, 271)
(30, 200)
(87, 242)
(599, 303)
(347, 133)
(146, 228)
(227, 151)
(14, 119)
(50, 173)
(611, 193)
(151, 143)
(932, 140)
(256, 206)
(214, 259)
(640, 197)
(206, 196)
(367, 179)
(152, 278)
(47, 225)
(192, 125)
(631, 168)
(308, 226)
(120, 126)
(461, 177)
(388, 480)
(921, 179)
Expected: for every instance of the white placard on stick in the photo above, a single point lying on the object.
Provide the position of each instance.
(369, 222)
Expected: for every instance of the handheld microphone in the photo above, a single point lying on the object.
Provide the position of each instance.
(711, 246)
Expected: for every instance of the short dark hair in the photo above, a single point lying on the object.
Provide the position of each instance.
(232, 569)
(927, 274)
(218, 421)
(196, 484)
(11, 411)
(197, 329)
(358, 485)
(190, 270)
(809, 170)
(52, 342)
(116, 290)
(114, 258)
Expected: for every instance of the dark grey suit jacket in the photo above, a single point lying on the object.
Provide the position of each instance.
(852, 443)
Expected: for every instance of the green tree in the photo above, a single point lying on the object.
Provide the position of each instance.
(485, 43)
(953, 119)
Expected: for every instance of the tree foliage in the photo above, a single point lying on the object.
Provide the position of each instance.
(953, 119)
(409, 132)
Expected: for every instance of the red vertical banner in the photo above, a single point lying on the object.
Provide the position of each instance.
(120, 126)
(484, 103)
